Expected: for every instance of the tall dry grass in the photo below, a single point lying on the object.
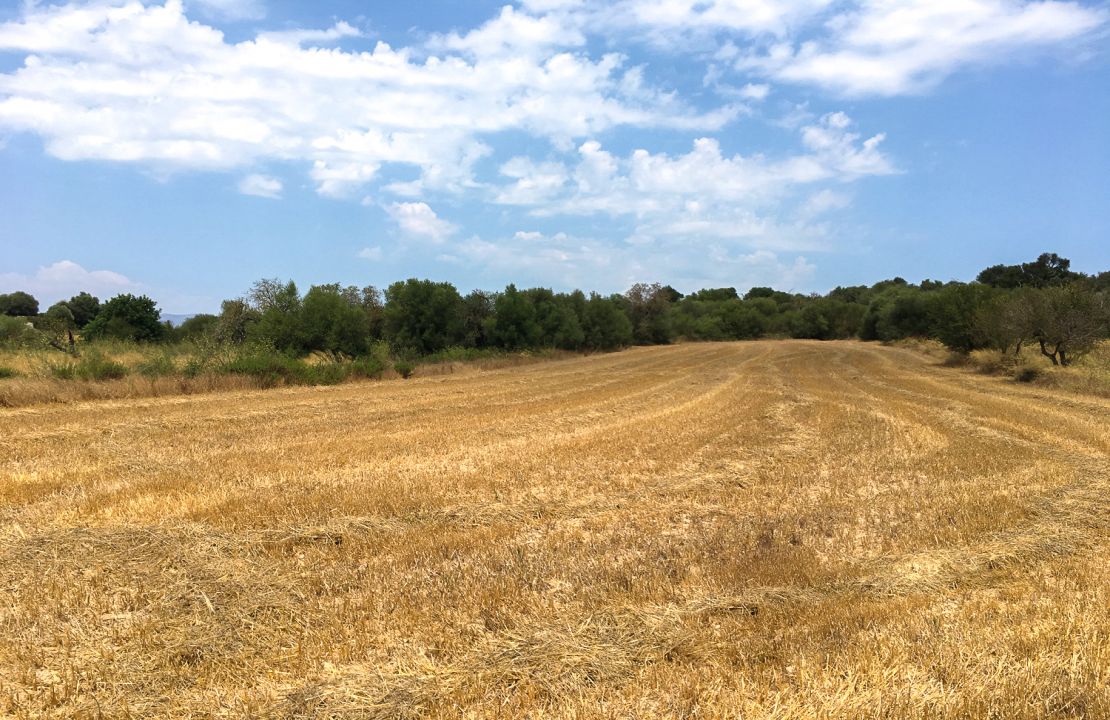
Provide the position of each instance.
(756, 530)
(42, 376)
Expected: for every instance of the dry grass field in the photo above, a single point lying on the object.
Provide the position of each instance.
(742, 530)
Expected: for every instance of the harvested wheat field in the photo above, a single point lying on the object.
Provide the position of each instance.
(742, 530)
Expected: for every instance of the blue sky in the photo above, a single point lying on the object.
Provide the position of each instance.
(185, 149)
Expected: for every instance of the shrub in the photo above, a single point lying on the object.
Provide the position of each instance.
(1027, 374)
(7, 372)
(194, 366)
(92, 367)
(269, 368)
(404, 368)
(369, 366)
(65, 371)
(98, 367)
(16, 333)
(155, 367)
(326, 374)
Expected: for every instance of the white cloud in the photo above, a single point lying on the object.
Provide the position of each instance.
(145, 84)
(512, 33)
(373, 254)
(64, 279)
(418, 220)
(755, 91)
(261, 186)
(704, 194)
(566, 260)
(892, 48)
(535, 182)
(824, 201)
(851, 47)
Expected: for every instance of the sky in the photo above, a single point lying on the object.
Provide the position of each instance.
(183, 149)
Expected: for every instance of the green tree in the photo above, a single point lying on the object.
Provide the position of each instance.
(58, 324)
(196, 327)
(514, 325)
(556, 314)
(84, 308)
(422, 316)
(649, 309)
(235, 321)
(127, 317)
(1002, 276)
(334, 320)
(898, 311)
(722, 294)
(740, 321)
(953, 313)
(1048, 270)
(19, 304)
(810, 323)
(279, 322)
(1067, 321)
(478, 319)
(604, 324)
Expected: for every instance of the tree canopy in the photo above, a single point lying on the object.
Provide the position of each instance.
(1065, 313)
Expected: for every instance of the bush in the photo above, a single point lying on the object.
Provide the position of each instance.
(1027, 374)
(326, 374)
(367, 367)
(272, 368)
(269, 368)
(404, 368)
(194, 366)
(16, 333)
(7, 372)
(156, 367)
(65, 371)
(92, 367)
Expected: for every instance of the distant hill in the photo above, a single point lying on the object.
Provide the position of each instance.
(176, 319)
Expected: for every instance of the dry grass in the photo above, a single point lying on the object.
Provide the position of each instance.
(1089, 375)
(748, 530)
(27, 377)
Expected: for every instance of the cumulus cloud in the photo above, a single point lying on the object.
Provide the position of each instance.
(418, 220)
(893, 48)
(64, 279)
(536, 182)
(146, 84)
(513, 32)
(704, 193)
(261, 186)
(857, 47)
(569, 260)
(373, 254)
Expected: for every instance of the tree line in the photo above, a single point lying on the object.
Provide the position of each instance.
(1043, 302)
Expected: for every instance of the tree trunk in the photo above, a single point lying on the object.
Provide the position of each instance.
(1050, 355)
(1063, 357)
